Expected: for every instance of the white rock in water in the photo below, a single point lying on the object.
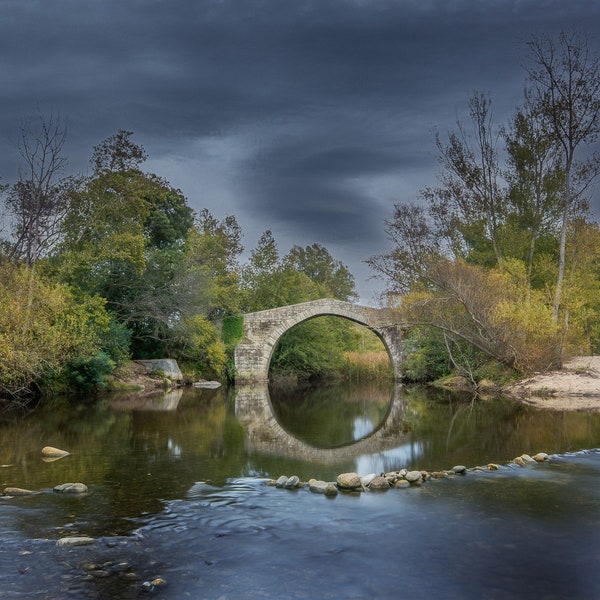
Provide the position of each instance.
(207, 385)
(75, 541)
(317, 486)
(71, 488)
(366, 479)
(527, 459)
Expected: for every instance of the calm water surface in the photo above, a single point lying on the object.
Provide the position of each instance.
(177, 492)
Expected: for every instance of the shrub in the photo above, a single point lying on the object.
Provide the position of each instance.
(89, 373)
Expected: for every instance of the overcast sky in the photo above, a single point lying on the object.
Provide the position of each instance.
(309, 118)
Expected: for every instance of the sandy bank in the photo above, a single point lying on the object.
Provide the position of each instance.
(575, 387)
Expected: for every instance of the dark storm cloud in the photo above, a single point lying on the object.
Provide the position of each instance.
(311, 117)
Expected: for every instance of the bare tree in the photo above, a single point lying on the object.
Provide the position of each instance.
(37, 203)
(471, 193)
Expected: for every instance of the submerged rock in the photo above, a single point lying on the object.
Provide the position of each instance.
(402, 483)
(207, 385)
(15, 491)
(75, 541)
(331, 490)
(71, 488)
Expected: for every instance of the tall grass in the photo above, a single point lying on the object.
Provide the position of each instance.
(367, 365)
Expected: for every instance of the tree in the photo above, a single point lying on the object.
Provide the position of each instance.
(535, 180)
(124, 239)
(212, 253)
(332, 275)
(565, 88)
(39, 201)
(118, 153)
(469, 206)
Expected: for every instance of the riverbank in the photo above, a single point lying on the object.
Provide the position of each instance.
(576, 387)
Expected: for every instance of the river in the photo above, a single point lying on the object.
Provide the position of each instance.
(178, 504)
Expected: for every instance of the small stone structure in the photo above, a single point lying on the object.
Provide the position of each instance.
(263, 329)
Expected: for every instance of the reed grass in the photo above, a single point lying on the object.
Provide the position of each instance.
(361, 366)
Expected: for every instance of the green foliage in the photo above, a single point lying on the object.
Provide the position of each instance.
(232, 329)
(314, 348)
(116, 342)
(426, 356)
(89, 373)
(211, 257)
(197, 344)
(43, 325)
(332, 276)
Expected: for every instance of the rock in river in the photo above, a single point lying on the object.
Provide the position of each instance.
(15, 491)
(50, 452)
(349, 481)
(75, 541)
(379, 483)
(71, 488)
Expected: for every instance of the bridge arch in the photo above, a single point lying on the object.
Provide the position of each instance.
(263, 329)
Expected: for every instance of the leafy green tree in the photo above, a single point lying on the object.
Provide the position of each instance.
(332, 276)
(123, 239)
(211, 252)
(535, 180)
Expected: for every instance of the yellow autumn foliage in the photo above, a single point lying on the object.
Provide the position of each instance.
(42, 326)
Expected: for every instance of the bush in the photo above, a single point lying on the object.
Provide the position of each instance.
(233, 330)
(426, 356)
(89, 373)
(116, 342)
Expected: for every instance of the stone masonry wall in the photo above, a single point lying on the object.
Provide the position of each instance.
(263, 329)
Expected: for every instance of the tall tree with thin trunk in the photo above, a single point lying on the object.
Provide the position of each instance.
(565, 87)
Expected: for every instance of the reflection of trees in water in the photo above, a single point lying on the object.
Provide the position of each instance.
(132, 460)
(326, 416)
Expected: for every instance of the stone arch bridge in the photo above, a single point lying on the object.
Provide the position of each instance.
(263, 329)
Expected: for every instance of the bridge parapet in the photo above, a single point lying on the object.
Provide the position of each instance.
(263, 329)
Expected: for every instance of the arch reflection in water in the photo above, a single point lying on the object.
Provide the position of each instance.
(265, 435)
